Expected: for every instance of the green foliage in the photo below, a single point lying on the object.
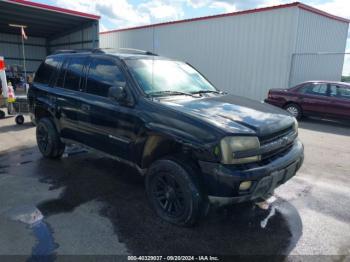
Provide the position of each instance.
(345, 79)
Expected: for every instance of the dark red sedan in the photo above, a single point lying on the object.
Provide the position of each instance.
(314, 98)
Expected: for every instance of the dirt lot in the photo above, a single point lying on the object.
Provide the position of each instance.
(94, 205)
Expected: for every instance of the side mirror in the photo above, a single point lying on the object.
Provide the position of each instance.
(118, 93)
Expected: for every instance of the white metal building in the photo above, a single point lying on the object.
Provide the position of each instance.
(248, 52)
(48, 28)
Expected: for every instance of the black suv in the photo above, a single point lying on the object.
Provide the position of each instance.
(194, 144)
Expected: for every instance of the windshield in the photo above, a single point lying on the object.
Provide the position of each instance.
(157, 77)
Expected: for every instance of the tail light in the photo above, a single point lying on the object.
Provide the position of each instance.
(269, 94)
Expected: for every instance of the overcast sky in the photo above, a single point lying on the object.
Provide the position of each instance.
(125, 13)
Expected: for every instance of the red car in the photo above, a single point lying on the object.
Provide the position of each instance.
(314, 98)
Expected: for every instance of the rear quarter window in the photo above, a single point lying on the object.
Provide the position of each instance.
(46, 70)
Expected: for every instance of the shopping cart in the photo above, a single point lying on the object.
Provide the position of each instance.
(19, 107)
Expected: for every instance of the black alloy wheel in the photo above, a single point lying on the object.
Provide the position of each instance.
(48, 139)
(169, 195)
(174, 191)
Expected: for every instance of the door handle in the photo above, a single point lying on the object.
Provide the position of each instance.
(85, 107)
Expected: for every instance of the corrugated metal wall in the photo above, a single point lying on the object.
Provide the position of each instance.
(246, 54)
(36, 49)
(86, 37)
(139, 39)
(319, 48)
(11, 49)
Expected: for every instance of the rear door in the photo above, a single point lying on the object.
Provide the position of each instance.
(110, 126)
(314, 98)
(340, 101)
(68, 87)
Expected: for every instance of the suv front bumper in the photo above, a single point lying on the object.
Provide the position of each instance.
(222, 181)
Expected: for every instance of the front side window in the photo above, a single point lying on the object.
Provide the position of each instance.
(103, 74)
(156, 76)
(340, 91)
(74, 72)
(314, 89)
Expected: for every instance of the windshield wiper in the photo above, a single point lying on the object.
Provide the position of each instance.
(168, 92)
(207, 91)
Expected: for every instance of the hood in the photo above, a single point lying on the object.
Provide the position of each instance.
(233, 114)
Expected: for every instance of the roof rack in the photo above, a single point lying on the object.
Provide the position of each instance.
(74, 51)
(129, 51)
(104, 50)
(138, 51)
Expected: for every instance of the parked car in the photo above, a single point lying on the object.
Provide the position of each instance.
(194, 144)
(314, 98)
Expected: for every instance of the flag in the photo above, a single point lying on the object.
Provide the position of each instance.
(23, 33)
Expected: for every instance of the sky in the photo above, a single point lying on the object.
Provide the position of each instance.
(116, 14)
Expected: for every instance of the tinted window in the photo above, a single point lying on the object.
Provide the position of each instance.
(46, 70)
(61, 74)
(103, 73)
(340, 91)
(333, 90)
(344, 92)
(73, 73)
(314, 89)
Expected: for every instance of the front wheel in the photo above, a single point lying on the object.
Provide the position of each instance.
(173, 191)
(295, 110)
(48, 139)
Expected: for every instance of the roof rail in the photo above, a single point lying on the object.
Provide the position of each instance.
(137, 51)
(127, 50)
(104, 50)
(74, 51)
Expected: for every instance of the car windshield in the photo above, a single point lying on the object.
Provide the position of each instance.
(167, 77)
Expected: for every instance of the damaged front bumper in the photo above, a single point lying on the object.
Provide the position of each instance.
(222, 182)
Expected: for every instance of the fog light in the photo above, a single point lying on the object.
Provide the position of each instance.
(245, 185)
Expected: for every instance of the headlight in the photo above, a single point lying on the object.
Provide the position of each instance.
(296, 125)
(230, 145)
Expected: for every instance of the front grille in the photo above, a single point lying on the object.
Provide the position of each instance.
(271, 140)
(274, 136)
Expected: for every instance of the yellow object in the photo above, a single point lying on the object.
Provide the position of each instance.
(11, 100)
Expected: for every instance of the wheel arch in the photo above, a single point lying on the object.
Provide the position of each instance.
(40, 112)
(159, 146)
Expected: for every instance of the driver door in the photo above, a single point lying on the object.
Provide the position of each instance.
(110, 127)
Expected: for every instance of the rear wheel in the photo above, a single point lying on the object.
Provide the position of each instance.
(48, 139)
(294, 109)
(173, 191)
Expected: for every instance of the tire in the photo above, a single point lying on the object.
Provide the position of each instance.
(48, 139)
(2, 114)
(294, 110)
(19, 120)
(174, 192)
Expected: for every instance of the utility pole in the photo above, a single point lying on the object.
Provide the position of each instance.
(24, 58)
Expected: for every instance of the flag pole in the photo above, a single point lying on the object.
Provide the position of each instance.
(24, 58)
